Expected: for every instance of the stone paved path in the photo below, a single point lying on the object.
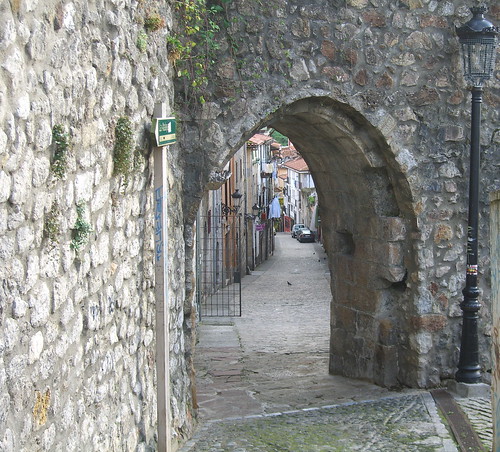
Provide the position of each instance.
(263, 382)
(408, 423)
(478, 410)
(275, 356)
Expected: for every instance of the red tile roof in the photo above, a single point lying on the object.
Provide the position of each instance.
(259, 138)
(297, 165)
(289, 151)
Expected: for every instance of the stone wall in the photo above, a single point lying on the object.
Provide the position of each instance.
(77, 326)
(372, 94)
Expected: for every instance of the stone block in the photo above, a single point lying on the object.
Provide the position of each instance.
(393, 273)
(362, 353)
(374, 18)
(10, 336)
(421, 342)
(424, 96)
(386, 367)
(354, 359)
(328, 50)
(40, 302)
(432, 322)
(467, 390)
(391, 229)
(366, 325)
(336, 73)
(387, 332)
(21, 182)
(299, 71)
(432, 20)
(345, 267)
(453, 133)
(344, 317)
(388, 253)
(418, 40)
(361, 77)
(376, 276)
(35, 347)
(358, 3)
(338, 341)
(5, 186)
(365, 299)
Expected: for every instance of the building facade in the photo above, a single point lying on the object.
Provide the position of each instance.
(299, 192)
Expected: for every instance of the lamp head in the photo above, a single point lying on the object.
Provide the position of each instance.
(478, 39)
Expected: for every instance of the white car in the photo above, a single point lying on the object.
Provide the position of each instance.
(296, 228)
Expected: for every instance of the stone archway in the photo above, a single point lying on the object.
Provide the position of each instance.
(372, 100)
(366, 220)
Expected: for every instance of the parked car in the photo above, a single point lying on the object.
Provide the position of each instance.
(305, 235)
(297, 227)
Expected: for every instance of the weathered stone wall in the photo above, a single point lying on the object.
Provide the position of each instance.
(372, 94)
(77, 328)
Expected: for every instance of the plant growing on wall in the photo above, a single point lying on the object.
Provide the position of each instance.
(142, 41)
(52, 224)
(123, 152)
(61, 142)
(153, 22)
(81, 230)
(193, 46)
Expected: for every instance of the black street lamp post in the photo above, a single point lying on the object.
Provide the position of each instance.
(478, 41)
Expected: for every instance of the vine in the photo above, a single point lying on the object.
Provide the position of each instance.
(61, 141)
(192, 48)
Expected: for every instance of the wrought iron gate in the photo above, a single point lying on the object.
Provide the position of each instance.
(219, 265)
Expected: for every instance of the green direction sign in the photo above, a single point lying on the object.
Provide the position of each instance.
(164, 130)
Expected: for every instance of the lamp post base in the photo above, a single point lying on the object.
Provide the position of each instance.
(470, 390)
(468, 376)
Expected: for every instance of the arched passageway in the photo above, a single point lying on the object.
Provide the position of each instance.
(365, 209)
(372, 100)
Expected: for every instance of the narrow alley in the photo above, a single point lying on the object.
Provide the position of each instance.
(263, 382)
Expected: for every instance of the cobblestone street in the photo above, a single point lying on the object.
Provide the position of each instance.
(263, 382)
(407, 423)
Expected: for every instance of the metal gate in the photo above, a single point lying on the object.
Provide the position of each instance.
(219, 265)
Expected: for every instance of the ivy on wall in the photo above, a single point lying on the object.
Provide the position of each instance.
(192, 46)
